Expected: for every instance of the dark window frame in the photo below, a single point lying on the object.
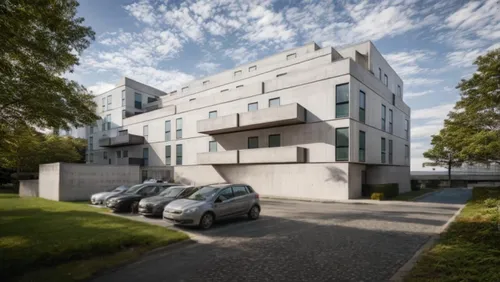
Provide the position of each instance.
(339, 146)
(390, 151)
(341, 103)
(382, 150)
(273, 136)
(362, 147)
(252, 138)
(178, 154)
(362, 106)
(168, 155)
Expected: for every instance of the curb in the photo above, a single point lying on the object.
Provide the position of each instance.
(402, 272)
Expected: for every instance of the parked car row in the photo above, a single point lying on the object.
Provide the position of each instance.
(181, 204)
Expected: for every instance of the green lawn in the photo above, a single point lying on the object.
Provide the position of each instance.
(408, 196)
(69, 241)
(470, 249)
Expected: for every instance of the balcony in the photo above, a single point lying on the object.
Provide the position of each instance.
(274, 116)
(121, 140)
(273, 155)
(224, 157)
(269, 117)
(218, 125)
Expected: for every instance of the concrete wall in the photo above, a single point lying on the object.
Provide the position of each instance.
(389, 174)
(49, 179)
(28, 188)
(299, 181)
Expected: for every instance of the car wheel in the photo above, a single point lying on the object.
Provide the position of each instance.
(254, 213)
(207, 220)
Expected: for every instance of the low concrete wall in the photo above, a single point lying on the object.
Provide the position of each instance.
(383, 174)
(28, 188)
(76, 182)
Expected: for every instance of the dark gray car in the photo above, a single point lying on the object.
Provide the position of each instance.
(153, 206)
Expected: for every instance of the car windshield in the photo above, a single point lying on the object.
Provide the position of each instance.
(120, 188)
(205, 193)
(134, 188)
(172, 192)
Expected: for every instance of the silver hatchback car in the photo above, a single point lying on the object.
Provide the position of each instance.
(214, 202)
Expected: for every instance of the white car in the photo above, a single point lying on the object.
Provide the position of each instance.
(100, 198)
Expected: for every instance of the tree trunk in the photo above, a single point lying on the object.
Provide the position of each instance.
(449, 174)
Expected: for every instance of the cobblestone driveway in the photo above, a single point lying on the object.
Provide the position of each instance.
(300, 241)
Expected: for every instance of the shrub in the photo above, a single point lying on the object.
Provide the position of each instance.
(377, 196)
(415, 185)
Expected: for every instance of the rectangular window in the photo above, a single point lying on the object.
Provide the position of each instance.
(253, 142)
(274, 140)
(173, 92)
(145, 156)
(291, 56)
(224, 90)
(109, 102)
(212, 146)
(252, 68)
(192, 99)
(91, 129)
(184, 89)
(407, 154)
(103, 125)
(239, 86)
(118, 154)
(108, 122)
(167, 130)
(151, 100)
(281, 74)
(123, 132)
(238, 73)
(406, 130)
(168, 155)
(362, 146)
(386, 80)
(91, 157)
(342, 100)
(206, 82)
(380, 74)
(91, 143)
(383, 118)
(390, 151)
(105, 155)
(253, 107)
(178, 154)
(178, 133)
(212, 114)
(342, 144)
(390, 121)
(382, 150)
(399, 91)
(123, 98)
(138, 101)
(274, 102)
(145, 132)
(125, 153)
(393, 99)
(362, 106)
(103, 104)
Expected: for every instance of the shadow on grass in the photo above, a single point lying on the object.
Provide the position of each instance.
(32, 238)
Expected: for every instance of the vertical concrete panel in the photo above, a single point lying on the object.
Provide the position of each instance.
(355, 180)
(79, 181)
(49, 180)
(28, 188)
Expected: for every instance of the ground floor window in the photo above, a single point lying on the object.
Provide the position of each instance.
(342, 144)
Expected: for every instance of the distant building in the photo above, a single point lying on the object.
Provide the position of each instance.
(309, 122)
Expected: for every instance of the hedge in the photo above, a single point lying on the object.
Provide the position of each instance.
(388, 190)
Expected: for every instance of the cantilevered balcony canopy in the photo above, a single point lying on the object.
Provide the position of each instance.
(121, 140)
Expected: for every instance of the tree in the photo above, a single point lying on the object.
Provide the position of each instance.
(39, 42)
(443, 155)
(475, 121)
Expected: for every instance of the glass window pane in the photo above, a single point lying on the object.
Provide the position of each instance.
(178, 153)
(212, 114)
(253, 107)
(342, 93)
(274, 102)
(226, 194)
(342, 137)
(212, 146)
(362, 116)
(253, 142)
(138, 101)
(342, 154)
(342, 110)
(179, 123)
(239, 191)
(274, 140)
(362, 99)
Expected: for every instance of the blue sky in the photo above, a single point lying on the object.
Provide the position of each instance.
(431, 44)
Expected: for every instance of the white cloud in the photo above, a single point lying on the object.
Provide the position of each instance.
(143, 11)
(207, 67)
(408, 63)
(418, 81)
(411, 95)
(436, 112)
(463, 58)
(241, 55)
(100, 87)
(425, 130)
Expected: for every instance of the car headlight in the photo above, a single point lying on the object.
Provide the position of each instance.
(191, 210)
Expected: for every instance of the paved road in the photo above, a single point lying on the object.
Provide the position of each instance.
(448, 196)
(299, 241)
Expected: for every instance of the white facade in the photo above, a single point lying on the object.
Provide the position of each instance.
(285, 108)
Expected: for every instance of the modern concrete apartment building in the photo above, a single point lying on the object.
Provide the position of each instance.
(309, 122)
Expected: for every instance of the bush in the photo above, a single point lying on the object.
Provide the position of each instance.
(415, 185)
(389, 190)
(377, 196)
